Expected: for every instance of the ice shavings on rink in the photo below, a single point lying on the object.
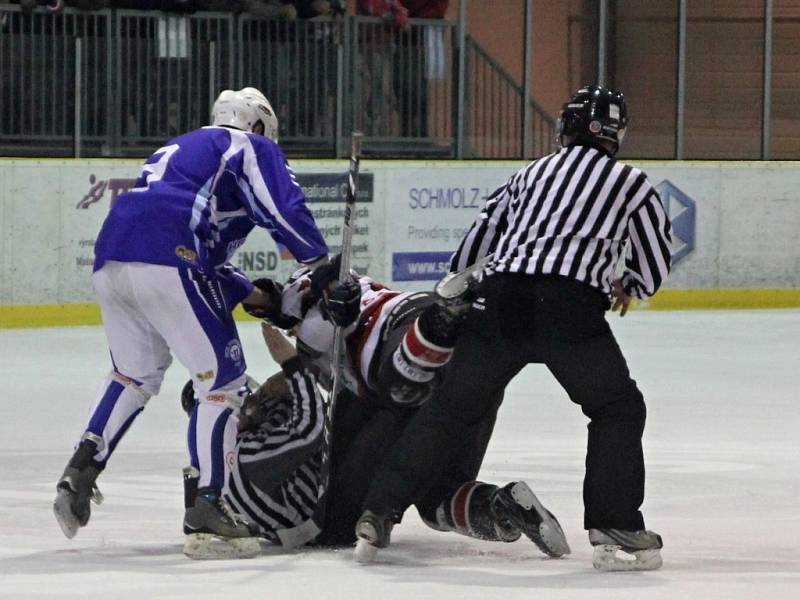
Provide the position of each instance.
(721, 445)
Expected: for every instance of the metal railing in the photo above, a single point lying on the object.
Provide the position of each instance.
(297, 65)
(495, 109)
(402, 86)
(46, 64)
(170, 70)
(120, 82)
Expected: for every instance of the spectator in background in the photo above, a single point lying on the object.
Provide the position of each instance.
(317, 69)
(271, 9)
(288, 9)
(308, 9)
(415, 54)
(287, 43)
(274, 9)
(30, 5)
(377, 50)
(88, 4)
(184, 6)
(421, 58)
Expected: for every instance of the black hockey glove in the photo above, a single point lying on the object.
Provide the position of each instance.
(323, 276)
(343, 304)
(272, 311)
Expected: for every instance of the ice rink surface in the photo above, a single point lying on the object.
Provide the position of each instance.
(723, 486)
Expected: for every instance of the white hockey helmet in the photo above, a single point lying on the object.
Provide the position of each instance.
(244, 109)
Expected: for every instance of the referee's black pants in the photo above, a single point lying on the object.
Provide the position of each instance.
(523, 319)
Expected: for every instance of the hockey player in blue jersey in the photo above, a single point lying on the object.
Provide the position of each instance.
(164, 284)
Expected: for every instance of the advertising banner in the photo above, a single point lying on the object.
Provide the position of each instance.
(433, 205)
(325, 194)
(52, 211)
(734, 224)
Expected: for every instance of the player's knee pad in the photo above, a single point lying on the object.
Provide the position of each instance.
(231, 395)
(189, 397)
(148, 386)
(140, 392)
(119, 400)
(468, 512)
(223, 398)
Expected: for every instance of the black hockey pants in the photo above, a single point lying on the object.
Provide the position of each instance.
(524, 319)
(364, 434)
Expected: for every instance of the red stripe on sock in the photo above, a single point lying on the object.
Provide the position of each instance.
(459, 505)
(422, 351)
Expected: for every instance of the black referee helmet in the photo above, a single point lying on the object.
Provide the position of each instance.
(594, 113)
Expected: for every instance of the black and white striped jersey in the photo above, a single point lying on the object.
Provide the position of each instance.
(571, 213)
(274, 479)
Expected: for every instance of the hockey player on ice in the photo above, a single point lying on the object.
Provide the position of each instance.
(164, 285)
(398, 342)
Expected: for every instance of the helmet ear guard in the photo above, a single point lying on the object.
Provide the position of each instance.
(246, 109)
(263, 111)
(593, 114)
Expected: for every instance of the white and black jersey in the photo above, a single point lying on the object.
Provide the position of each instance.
(274, 479)
(380, 307)
(571, 214)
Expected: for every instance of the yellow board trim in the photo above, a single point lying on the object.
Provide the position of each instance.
(64, 315)
(49, 315)
(724, 298)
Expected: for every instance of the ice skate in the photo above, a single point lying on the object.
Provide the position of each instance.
(373, 533)
(214, 531)
(643, 546)
(456, 291)
(516, 504)
(76, 488)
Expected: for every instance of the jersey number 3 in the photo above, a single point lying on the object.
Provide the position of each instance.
(152, 172)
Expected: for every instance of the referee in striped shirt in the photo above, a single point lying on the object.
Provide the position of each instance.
(555, 235)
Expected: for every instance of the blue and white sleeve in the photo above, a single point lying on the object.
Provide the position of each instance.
(274, 200)
(234, 283)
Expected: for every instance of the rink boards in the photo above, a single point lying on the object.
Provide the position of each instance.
(735, 226)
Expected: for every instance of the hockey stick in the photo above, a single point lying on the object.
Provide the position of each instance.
(337, 358)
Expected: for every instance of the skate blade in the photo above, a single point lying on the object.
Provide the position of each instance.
(97, 496)
(455, 284)
(66, 520)
(207, 546)
(365, 552)
(552, 540)
(605, 559)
